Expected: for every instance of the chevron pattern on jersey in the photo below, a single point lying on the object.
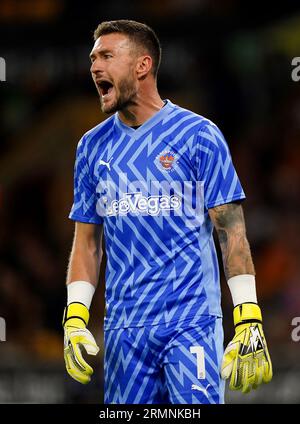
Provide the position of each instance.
(154, 364)
(161, 267)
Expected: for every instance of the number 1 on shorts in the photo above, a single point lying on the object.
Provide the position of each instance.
(199, 351)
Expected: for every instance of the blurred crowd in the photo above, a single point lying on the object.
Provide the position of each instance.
(235, 72)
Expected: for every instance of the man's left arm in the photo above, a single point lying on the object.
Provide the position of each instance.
(229, 223)
(246, 360)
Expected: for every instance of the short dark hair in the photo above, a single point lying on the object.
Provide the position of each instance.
(141, 34)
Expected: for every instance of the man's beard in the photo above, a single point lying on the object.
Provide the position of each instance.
(126, 97)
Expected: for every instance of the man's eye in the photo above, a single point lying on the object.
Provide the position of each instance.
(107, 56)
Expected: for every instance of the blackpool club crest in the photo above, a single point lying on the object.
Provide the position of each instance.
(166, 160)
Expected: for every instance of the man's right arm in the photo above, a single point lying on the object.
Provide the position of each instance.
(82, 279)
(86, 253)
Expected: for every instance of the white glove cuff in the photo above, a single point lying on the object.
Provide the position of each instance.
(80, 291)
(243, 289)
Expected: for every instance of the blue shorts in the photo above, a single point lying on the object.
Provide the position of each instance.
(175, 363)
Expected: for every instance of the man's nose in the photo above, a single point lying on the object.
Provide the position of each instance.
(96, 66)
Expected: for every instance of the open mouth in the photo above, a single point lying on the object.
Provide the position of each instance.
(105, 87)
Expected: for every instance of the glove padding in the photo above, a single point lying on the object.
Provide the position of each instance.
(77, 337)
(246, 359)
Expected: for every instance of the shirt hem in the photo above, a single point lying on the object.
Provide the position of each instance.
(223, 202)
(84, 219)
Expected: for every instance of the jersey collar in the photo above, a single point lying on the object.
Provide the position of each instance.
(147, 125)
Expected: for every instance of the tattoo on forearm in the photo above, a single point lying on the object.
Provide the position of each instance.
(230, 225)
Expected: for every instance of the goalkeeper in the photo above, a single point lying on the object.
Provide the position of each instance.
(163, 331)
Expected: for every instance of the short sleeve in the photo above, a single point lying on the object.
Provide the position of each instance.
(85, 197)
(215, 168)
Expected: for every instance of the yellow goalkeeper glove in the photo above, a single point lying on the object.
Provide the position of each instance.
(246, 359)
(76, 337)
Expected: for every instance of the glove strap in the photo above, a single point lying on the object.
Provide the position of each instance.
(245, 313)
(76, 311)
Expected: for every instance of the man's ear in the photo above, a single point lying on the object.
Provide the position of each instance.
(143, 66)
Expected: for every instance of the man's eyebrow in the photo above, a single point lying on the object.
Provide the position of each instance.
(100, 52)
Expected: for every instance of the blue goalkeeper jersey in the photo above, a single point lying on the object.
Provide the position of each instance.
(152, 188)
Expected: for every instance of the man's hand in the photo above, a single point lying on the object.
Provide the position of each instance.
(76, 317)
(246, 359)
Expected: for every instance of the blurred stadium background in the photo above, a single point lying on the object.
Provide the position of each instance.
(228, 60)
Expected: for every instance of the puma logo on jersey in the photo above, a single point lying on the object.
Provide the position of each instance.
(107, 164)
(200, 389)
